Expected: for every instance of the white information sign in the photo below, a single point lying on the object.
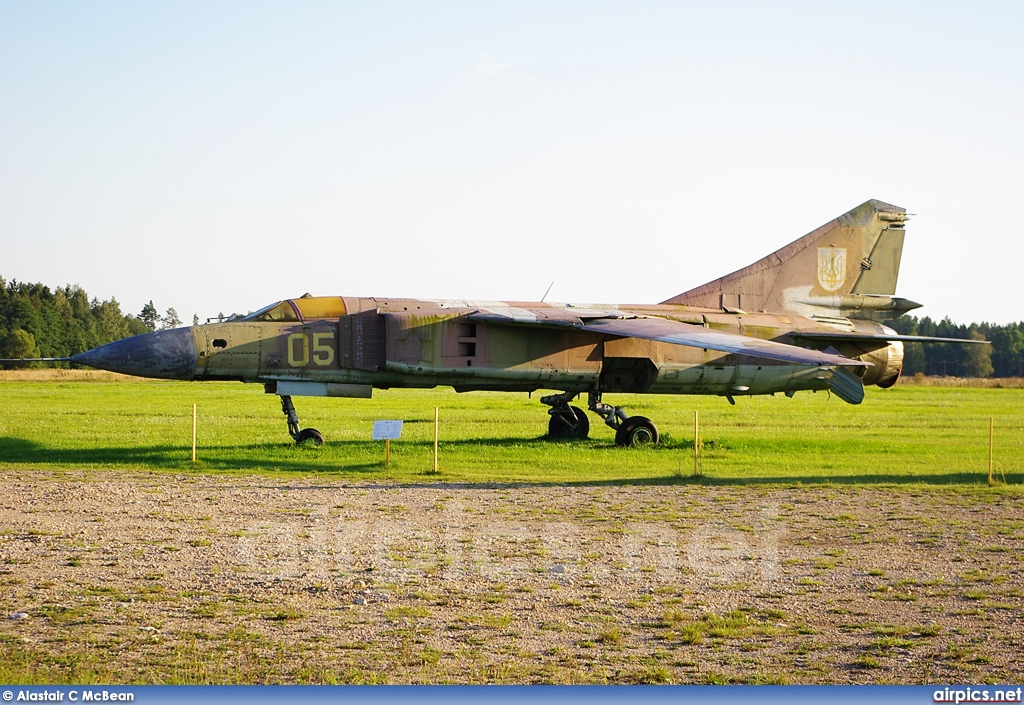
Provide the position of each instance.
(387, 430)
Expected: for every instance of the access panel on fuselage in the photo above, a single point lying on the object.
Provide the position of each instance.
(362, 341)
(531, 348)
(231, 350)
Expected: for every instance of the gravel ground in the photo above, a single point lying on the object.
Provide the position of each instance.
(130, 577)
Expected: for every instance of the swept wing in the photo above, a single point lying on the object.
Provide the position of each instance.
(666, 331)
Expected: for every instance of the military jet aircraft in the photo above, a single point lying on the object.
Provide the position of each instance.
(806, 317)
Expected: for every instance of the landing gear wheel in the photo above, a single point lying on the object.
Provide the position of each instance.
(637, 431)
(310, 434)
(560, 425)
(582, 430)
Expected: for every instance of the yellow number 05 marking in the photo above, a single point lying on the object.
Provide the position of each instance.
(323, 353)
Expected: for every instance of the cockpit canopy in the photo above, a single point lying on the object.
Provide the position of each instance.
(302, 309)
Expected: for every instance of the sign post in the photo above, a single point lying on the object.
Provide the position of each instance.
(386, 431)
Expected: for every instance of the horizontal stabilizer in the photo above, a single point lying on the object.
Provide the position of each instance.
(881, 337)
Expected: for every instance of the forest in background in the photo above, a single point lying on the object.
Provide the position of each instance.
(36, 321)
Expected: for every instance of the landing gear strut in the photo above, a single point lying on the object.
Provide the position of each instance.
(629, 430)
(306, 434)
(566, 421)
(571, 421)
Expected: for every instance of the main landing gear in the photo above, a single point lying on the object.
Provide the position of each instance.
(571, 422)
(306, 434)
(566, 421)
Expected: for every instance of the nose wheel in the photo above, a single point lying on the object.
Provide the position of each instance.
(310, 435)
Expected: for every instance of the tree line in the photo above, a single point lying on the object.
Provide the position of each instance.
(1003, 358)
(36, 321)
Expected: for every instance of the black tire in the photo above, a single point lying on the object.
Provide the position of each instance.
(559, 425)
(582, 430)
(312, 435)
(637, 431)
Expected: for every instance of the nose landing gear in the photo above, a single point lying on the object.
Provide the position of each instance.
(306, 434)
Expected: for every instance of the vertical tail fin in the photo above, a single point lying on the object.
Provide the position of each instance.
(846, 267)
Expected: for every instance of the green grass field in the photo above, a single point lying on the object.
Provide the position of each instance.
(908, 434)
(865, 535)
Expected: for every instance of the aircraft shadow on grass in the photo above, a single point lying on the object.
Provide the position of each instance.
(159, 457)
(170, 457)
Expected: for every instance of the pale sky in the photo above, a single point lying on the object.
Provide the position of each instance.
(219, 156)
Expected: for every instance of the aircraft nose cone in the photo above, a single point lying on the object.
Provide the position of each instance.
(165, 354)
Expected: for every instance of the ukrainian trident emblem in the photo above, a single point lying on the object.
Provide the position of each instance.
(831, 267)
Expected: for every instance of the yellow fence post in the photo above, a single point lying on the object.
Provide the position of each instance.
(991, 448)
(193, 433)
(435, 437)
(696, 443)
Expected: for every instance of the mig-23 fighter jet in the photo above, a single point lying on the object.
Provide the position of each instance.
(806, 317)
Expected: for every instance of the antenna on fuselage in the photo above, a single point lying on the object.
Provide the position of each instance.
(547, 292)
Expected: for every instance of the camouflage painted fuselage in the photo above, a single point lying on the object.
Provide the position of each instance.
(413, 343)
